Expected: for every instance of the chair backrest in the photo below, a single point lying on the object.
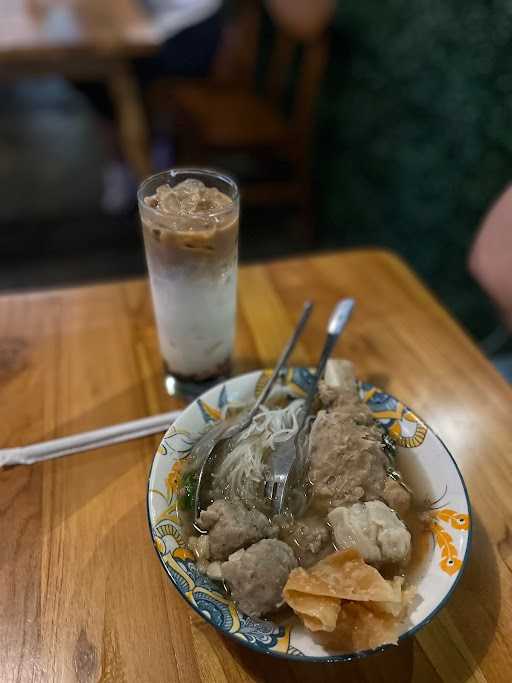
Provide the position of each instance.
(237, 56)
(314, 61)
(299, 25)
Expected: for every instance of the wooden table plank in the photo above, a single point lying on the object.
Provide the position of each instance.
(84, 598)
(84, 40)
(33, 30)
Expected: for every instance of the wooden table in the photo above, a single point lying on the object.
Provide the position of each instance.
(84, 39)
(82, 594)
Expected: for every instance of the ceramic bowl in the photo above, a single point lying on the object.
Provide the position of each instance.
(421, 454)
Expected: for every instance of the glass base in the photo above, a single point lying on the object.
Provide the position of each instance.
(189, 389)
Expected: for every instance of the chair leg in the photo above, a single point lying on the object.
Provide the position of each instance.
(133, 125)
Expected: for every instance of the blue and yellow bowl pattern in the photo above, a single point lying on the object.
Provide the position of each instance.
(450, 519)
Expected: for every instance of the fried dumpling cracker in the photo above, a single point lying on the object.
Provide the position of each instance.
(359, 628)
(345, 575)
(302, 581)
(346, 602)
(317, 613)
(395, 609)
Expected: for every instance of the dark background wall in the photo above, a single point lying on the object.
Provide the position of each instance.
(414, 136)
(413, 142)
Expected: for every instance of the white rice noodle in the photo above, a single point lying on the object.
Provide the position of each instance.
(243, 469)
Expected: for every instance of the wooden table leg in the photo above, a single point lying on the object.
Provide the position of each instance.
(132, 120)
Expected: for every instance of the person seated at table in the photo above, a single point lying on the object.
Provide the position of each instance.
(190, 32)
(301, 17)
(490, 263)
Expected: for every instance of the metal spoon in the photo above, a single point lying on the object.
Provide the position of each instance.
(208, 447)
(284, 458)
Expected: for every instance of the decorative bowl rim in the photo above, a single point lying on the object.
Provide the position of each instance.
(335, 658)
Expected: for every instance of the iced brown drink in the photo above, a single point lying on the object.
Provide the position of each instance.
(190, 226)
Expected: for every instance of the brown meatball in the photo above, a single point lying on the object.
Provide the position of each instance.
(309, 538)
(257, 576)
(232, 526)
(347, 461)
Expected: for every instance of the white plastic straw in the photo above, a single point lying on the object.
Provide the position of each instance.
(106, 436)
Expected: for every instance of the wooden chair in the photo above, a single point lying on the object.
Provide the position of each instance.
(226, 119)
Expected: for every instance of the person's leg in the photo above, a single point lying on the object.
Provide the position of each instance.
(118, 180)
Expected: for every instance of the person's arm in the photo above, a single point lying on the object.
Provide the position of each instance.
(490, 260)
(303, 19)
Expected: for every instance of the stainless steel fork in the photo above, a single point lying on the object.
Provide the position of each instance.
(207, 448)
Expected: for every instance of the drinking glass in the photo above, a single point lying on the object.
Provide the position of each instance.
(190, 223)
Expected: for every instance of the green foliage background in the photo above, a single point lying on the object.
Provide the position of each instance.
(414, 136)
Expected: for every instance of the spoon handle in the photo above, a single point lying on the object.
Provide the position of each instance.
(283, 360)
(337, 322)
